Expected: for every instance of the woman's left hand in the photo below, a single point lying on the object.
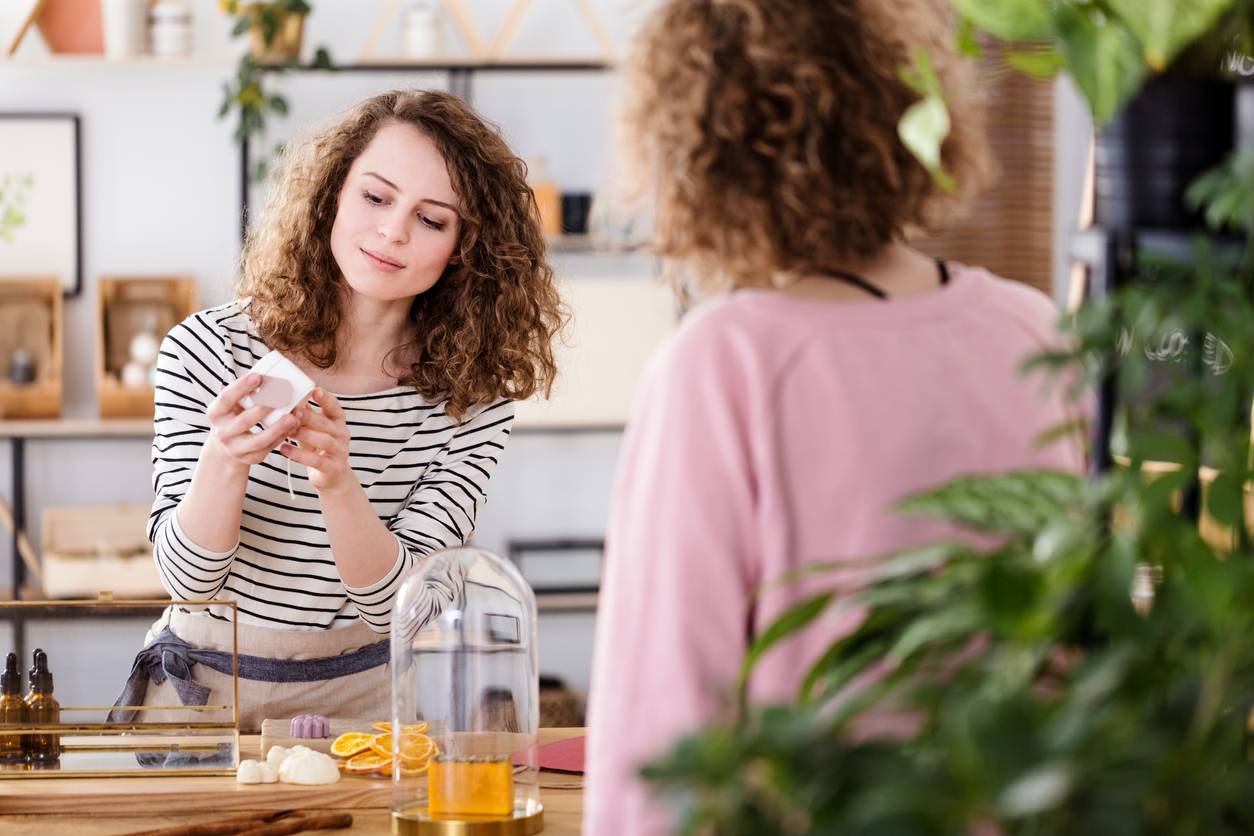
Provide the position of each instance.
(323, 438)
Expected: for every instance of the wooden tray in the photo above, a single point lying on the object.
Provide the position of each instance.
(188, 795)
(175, 794)
(278, 733)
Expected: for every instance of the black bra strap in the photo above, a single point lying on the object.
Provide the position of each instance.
(858, 282)
(862, 284)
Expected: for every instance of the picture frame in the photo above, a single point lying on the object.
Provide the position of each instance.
(41, 206)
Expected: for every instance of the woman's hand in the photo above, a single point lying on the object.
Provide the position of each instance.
(323, 438)
(231, 439)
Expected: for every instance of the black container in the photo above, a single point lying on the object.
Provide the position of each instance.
(1146, 158)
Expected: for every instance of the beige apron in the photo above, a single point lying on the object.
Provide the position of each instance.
(364, 695)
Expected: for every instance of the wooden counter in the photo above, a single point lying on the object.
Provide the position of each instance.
(563, 808)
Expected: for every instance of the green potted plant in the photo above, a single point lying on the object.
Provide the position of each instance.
(1092, 673)
(275, 30)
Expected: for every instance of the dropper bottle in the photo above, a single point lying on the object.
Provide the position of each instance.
(44, 711)
(12, 710)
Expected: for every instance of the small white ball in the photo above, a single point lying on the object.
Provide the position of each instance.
(144, 348)
(134, 375)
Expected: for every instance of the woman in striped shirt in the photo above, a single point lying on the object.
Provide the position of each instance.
(399, 262)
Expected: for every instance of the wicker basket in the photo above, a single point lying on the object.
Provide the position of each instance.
(559, 706)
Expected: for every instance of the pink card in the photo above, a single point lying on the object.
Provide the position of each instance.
(562, 755)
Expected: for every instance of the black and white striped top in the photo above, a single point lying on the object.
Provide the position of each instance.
(425, 474)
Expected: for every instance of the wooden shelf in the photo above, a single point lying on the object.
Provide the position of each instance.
(78, 428)
(218, 63)
(463, 63)
(566, 601)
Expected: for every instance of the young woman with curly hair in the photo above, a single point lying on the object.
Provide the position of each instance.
(399, 262)
(831, 370)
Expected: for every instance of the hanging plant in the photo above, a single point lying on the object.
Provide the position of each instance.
(276, 31)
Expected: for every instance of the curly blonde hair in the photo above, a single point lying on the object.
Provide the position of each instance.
(765, 131)
(486, 327)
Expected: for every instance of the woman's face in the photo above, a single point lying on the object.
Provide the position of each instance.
(397, 223)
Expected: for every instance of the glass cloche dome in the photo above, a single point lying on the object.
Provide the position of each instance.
(465, 698)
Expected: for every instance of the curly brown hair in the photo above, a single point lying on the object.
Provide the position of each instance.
(766, 133)
(486, 327)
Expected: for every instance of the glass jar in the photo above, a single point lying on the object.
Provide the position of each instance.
(422, 32)
(171, 32)
(465, 698)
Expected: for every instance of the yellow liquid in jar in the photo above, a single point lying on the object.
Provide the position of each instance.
(470, 787)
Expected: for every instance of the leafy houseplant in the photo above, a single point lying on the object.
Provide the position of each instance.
(1093, 674)
(275, 29)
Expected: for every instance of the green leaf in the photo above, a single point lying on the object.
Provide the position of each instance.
(789, 622)
(241, 26)
(947, 626)
(278, 104)
(1010, 20)
(1036, 791)
(1018, 502)
(322, 59)
(1040, 64)
(923, 129)
(1104, 58)
(921, 76)
(965, 42)
(1225, 499)
(1165, 28)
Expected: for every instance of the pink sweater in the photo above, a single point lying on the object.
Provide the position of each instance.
(770, 433)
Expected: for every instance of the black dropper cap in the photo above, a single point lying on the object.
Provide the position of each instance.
(40, 676)
(11, 679)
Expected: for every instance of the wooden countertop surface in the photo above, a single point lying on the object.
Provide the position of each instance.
(563, 808)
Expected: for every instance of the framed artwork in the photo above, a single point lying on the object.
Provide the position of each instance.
(41, 198)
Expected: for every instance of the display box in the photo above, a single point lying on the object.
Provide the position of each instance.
(134, 315)
(79, 739)
(30, 348)
(91, 549)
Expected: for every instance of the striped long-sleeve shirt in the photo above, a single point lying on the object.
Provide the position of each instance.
(426, 476)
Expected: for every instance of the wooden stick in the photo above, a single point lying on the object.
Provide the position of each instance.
(516, 14)
(26, 25)
(297, 824)
(380, 25)
(24, 548)
(236, 824)
(598, 31)
(466, 26)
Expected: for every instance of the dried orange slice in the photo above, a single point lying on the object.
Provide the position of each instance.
(411, 771)
(368, 762)
(416, 748)
(408, 728)
(351, 743)
(381, 744)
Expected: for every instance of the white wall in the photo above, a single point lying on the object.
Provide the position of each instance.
(160, 183)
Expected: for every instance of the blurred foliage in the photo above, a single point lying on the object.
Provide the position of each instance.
(1093, 673)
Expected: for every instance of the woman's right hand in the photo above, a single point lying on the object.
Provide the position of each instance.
(231, 438)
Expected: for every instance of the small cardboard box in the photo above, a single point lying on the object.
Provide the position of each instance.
(31, 322)
(127, 307)
(90, 550)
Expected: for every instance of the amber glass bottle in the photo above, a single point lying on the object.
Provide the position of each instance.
(43, 749)
(12, 710)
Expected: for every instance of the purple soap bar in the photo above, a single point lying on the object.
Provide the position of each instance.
(310, 725)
